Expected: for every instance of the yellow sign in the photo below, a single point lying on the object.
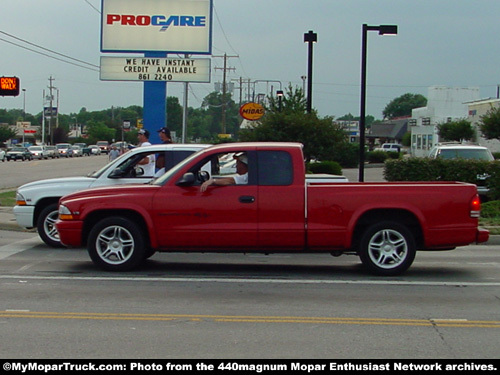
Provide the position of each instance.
(252, 111)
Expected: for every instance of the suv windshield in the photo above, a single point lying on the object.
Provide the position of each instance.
(461, 153)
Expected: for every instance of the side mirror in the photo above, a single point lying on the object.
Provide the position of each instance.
(187, 180)
(117, 173)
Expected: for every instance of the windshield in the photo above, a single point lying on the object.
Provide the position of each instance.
(99, 172)
(477, 154)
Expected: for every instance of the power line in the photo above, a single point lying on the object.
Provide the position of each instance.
(93, 7)
(44, 49)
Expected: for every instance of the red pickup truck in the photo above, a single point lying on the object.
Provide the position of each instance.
(275, 210)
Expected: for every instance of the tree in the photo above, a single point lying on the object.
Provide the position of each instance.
(290, 123)
(6, 133)
(456, 130)
(403, 105)
(490, 124)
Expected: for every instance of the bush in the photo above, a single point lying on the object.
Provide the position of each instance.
(425, 169)
(496, 155)
(344, 153)
(330, 167)
(377, 156)
(490, 209)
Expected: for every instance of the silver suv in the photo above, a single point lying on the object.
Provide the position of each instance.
(461, 151)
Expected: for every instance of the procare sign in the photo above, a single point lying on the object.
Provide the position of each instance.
(172, 26)
(252, 111)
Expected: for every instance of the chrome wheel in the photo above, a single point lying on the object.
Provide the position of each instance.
(115, 245)
(387, 248)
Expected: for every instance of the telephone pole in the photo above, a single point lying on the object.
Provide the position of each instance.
(51, 99)
(225, 69)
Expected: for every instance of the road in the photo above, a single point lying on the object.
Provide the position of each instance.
(56, 304)
(21, 172)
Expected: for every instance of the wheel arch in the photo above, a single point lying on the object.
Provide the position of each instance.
(92, 218)
(40, 206)
(400, 216)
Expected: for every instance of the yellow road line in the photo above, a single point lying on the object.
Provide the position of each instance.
(251, 319)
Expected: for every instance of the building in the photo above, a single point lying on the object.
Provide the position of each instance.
(444, 104)
(477, 109)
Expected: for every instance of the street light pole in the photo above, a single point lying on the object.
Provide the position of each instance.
(310, 38)
(382, 30)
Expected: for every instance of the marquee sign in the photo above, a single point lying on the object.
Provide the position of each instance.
(9, 86)
(172, 26)
(155, 69)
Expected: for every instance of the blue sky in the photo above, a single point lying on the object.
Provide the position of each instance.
(439, 42)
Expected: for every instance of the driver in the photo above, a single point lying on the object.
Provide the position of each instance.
(240, 179)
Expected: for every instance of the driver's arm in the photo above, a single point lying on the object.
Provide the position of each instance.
(219, 182)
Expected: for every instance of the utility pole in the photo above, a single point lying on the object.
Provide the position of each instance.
(51, 98)
(225, 69)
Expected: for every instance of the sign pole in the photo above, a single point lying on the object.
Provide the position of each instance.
(155, 103)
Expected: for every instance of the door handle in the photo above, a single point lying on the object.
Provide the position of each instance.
(247, 199)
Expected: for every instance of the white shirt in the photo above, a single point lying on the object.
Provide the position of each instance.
(241, 179)
(149, 169)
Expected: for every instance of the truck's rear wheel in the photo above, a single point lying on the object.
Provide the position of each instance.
(116, 244)
(46, 226)
(387, 248)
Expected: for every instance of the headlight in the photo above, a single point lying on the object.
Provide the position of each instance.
(20, 200)
(65, 213)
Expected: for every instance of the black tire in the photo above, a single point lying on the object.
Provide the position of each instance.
(387, 248)
(116, 244)
(46, 225)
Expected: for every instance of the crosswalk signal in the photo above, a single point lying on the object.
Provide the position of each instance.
(9, 86)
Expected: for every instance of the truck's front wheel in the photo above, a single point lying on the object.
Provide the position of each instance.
(46, 226)
(116, 244)
(387, 248)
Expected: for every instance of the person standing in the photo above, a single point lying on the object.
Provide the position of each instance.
(165, 136)
(148, 163)
(114, 153)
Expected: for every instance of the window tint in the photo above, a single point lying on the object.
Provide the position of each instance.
(275, 168)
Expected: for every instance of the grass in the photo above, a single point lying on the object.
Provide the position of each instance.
(490, 215)
(8, 198)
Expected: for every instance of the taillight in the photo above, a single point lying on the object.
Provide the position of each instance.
(475, 206)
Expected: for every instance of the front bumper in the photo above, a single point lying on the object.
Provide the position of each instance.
(70, 232)
(24, 216)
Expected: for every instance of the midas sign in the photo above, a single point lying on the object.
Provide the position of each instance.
(251, 111)
(9, 86)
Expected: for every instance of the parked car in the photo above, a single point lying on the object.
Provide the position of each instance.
(39, 152)
(94, 150)
(2, 155)
(104, 146)
(389, 147)
(65, 149)
(464, 151)
(37, 201)
(77, 150)
(52, 151)
(461, 151)
(19, 153)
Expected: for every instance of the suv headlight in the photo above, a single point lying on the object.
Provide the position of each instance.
(20, 200)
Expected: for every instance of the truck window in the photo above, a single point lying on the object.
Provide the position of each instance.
(275, 168)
